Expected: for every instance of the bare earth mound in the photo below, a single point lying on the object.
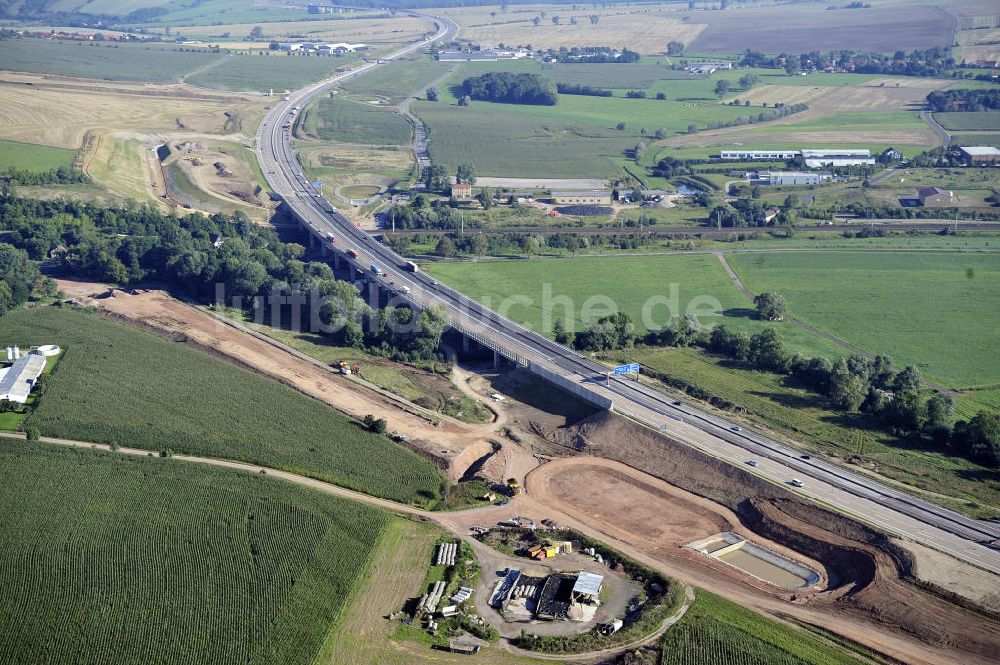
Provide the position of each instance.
(867, 571)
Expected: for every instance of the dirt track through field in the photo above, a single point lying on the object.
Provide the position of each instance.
(452, 443)
(738, 282)
(899, 646)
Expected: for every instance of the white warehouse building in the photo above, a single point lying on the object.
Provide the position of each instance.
(17, 380)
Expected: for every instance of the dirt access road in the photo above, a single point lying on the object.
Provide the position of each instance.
(899, 646)
(950, 632)
(455, 445)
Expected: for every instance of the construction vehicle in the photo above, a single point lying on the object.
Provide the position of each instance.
(347, 368)
(513, 486)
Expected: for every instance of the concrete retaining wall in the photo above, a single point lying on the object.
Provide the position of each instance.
(572, 387)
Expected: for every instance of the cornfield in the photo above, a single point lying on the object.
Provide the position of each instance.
(115, 559)
(718, 631)
(116, 384)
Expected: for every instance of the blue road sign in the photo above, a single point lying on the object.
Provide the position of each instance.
(631, 368)
(318, 185)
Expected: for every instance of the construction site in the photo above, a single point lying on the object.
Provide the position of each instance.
(647, 496)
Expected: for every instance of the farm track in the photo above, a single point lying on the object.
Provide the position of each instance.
(441, 519)
(738, 283)
(901, 647)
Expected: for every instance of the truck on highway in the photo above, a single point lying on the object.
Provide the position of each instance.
(411, 266)
(351, 253)
(376, 270)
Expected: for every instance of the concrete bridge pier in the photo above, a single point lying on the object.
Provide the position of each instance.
(465, 344)
(496, 360)
(336, 261)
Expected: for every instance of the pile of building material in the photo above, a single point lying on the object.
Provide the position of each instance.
(547, 551)
(429, 602)
(462, 595)
(446, 553)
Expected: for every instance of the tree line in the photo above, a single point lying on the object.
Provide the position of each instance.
(58, 176)
(512, 88)
(894, 401)
(194, 254)
(920, 62)
(942, 101)
(577, 89)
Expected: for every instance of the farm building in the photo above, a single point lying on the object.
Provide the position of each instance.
(778, 178)
(708, 68)
(468, 56)
(592, 197)
(981, 155)
(753, 155)
(17, 380)
(934, 196)
(816, 159)
(587, 587)
(461, 190)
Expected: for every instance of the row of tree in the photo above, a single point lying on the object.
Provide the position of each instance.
(964, 100)
(58, 176)
(198, 254)
(896, 401)
(922, 62)
(512, 88)
(18, 277)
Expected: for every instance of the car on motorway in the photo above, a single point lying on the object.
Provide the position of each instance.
(751, 462)
(736, 428)
(805, 457)
(795, 482)
(676, 402)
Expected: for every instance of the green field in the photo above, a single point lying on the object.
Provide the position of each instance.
(351, 122)
(976, 138)
(116, 62)
(263, 73)
(884, 121)
(970, 122)
(35, 158)
(784, 405)
(109, 558)
(503, 143)
(715, 630)
(120, 385)
(940, 312)
(630, 282)
(399, 81)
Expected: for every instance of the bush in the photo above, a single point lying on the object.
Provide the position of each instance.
(33, 434)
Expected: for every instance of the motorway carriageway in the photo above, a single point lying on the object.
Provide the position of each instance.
(871, 501)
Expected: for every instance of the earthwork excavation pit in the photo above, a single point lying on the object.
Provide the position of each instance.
(756, 561)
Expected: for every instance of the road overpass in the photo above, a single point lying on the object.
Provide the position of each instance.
(869, 500)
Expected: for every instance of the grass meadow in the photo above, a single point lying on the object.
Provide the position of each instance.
(109, 558)
(344, 121)
(503, 143)
(115, 62)
(116, 384)
(261, 73)
(399, 81)
(36, 158)
(970, 122)
(630, 282)
(785, 406)
(940, 312)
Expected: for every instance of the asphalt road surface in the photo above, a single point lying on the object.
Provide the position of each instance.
(852, 492)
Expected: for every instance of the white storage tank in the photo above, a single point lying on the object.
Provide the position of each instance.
(48, 350)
